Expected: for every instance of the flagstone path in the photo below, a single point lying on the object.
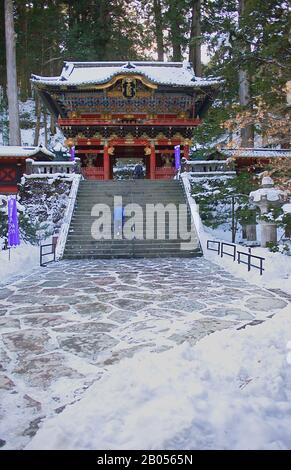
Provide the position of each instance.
(63, 326)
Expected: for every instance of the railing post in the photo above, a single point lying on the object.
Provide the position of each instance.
(249, 262)
(77, 165)
(153, 162)
(106, 163)
(29, 163)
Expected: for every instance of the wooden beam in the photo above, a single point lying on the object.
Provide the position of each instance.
(153, 163)
(106, 163)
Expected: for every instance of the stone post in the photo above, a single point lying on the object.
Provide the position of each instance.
(265, 198)
(29, 169)
(251, 232)
(268, 233)
(77, 165)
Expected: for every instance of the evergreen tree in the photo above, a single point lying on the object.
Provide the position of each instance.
(12, 88)
(257, 44)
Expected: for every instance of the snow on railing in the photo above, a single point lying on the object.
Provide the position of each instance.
(67, 217)
(47, 168)
(194, 209)
(209, 167)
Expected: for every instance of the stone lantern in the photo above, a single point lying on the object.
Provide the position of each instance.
(265, 198)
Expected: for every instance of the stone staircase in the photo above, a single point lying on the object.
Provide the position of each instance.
(81, 244)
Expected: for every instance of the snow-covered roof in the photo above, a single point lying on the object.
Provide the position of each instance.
(19, 151)
(256, 152)
(162, 73)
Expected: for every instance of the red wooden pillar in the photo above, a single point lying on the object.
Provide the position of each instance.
(186, 152)
(153, 163)
(106, 163)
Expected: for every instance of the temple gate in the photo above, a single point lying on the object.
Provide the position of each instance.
(141, 110)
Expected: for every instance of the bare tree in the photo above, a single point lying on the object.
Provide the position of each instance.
(12, 90)
(195, 37)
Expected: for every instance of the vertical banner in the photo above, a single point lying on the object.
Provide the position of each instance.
(13, 229)
(73, 153)
(177, 157)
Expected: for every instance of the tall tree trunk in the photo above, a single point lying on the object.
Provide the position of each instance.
(52, 124)
(175, 31)
(247, 132)
(38, 117)
(45, 127)
(12, 91)
(52, 117)
(195, 38)
(158, 17)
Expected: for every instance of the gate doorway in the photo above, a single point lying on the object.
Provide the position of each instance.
(124, 160)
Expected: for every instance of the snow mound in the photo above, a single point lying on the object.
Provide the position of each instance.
(23, 258)
(232, 390)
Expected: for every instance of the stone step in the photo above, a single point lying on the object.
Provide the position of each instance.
(123, 243)
(80, 244)
(132, 253)
(185, 254)
(128, 190)
(146, 215)
(81, 219)
(130, 197)
(141, 182)
(86, 211)
(130, 247)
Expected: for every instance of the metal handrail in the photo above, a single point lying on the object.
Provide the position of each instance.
(213, 249)
(225, 252)
(237, 255)
(248, 262)
(42, 255)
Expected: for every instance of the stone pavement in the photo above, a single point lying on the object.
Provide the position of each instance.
(64, 325)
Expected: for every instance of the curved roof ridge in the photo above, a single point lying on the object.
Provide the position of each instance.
(23, 151)
(176, 74)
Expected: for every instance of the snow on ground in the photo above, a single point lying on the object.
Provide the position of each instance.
(23, 258)
(27, 113)
(232, 390)
(277, 267)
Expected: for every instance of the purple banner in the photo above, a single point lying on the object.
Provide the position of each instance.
(13, 229)
(177, 157)
(73, 153)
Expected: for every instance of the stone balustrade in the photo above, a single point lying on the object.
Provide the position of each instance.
(40, 168)
(209, 167)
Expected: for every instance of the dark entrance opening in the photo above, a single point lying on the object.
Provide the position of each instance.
(124, 160)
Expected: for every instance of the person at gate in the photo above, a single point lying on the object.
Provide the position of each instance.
(118, 221)
(138, 171)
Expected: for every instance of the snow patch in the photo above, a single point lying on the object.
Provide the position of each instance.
(232, 390)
